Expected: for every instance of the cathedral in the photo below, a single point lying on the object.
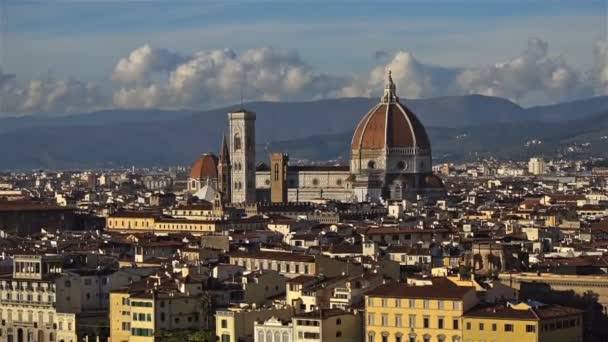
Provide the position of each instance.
(390, 161)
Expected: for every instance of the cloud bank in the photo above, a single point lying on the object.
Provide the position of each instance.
(150, 77)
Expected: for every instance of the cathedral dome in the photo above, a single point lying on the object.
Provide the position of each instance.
(389, 124)
(204, 167)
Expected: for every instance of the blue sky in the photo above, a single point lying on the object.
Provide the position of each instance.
(85, 39)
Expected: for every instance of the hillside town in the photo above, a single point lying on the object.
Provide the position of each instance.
(239, 247)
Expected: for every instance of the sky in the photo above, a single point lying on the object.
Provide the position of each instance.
(60, 57)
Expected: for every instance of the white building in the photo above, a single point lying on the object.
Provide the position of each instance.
(536, 166)
(273, 330)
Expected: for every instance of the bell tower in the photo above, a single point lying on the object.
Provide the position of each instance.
(278, 177)
(242, 155)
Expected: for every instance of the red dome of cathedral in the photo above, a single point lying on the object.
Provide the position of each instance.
(389, 124)
(204, 167)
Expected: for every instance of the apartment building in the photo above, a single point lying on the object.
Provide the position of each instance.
(523, 322)
(424, 310)
(144, 309)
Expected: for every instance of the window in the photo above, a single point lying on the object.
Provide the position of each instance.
(311, 335)
(468, 325)
(237, 141)
(412, 321)
(370, 319)
(509, 327)
(338, 321)
(398, 323)
(481, 326)
(425, 304)
(224, 324)
(440, 305)
(412, 303)
(440, 323)
(384, 319)
(425, 323)
(384, 302)
(370, 338)
(456, 305)
(370, 301)
(371, 164)
(455, 324)
(530, 328)
(493, 326)
(338, 334)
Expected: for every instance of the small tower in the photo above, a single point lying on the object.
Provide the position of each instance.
(242, 156)
(223, 171)
(278, 177)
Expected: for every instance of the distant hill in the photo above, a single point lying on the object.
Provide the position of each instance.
(459, 127)
(514, 140)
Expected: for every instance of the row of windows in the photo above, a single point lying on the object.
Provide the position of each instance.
(22, 297)
(563, 324)
(507, 327)
(412, 303)
(142, 332)
(8, 315)
(409, 338)
(141, 304)
(142, 317)
(272, 265)
(441, 322)
(268, 336)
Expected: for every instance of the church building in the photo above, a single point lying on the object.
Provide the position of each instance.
(390, 160)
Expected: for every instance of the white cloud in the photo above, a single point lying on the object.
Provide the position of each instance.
(144, 61)
(530, 78)
(158, 78)
(48, 95)
(217, 77)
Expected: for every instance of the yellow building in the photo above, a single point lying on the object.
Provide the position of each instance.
(291, 264)
(523, 322)
(145, 309)
(423, 310)
(143, 222)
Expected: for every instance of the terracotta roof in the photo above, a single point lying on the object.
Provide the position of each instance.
(204, 167)
(501, 311)
(441, 288)
(389, 125)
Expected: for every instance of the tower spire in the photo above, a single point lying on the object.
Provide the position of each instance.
(390, 90)
(224, 151)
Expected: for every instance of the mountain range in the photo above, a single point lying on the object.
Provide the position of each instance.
(460, 128)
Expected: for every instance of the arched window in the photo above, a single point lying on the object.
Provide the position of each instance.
(260, 336)
(277, 336)
(269, 337)
(237, 141)
(285, 337)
